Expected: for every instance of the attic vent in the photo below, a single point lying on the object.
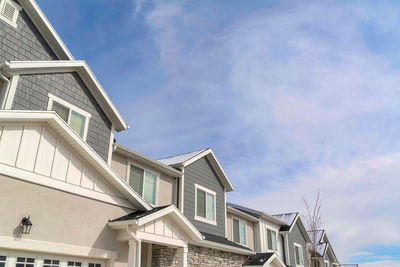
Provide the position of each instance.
(9, 12)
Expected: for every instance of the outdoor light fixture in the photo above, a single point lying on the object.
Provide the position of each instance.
(26, 225)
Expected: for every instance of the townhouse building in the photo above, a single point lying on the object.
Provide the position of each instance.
(278, 240)
(324, 256)
(73, 196)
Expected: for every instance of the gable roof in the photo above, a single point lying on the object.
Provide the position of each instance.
(46, 29)
(140, 218)
(84, 150)
(256, 213)
(323, 244)
(291, 219)
(86, 74)
(264, 259)
(222, 240)
(183, 160)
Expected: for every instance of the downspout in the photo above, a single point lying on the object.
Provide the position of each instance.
(8, 83)
(139, 245)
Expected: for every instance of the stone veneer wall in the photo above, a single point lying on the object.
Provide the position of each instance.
(206, 257)
(164, 256)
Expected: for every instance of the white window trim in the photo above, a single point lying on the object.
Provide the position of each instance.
(276, 239)
(199, 218)
(145, 170)
(17, 7)
(245, 223)
(71, 107)
(302, 249)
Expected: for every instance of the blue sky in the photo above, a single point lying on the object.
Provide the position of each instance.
(293, 96)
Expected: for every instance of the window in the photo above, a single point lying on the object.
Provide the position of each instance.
(77, 118)
(25, 262)
(239, 231)
(271, 237)
(205, 205)
(3, 261)
(298, 251)
(9, 12)
(94, 264)
(144, 183)
(51, 263)
(74, 263)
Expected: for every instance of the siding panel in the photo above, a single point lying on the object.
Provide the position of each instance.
(202, 173)
(297, 237)
(32, 94)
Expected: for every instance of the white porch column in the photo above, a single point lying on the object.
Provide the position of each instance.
(182, 256)
(132, 253)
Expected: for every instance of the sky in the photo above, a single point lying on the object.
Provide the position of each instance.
(294, 97)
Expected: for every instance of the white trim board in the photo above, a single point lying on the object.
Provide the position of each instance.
(207, 191)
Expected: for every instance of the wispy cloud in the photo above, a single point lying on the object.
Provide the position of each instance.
(293, 99)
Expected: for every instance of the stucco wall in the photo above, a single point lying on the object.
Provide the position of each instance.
(24, 42)
(202, 173)
(249, 229)
(166, 185)
(59, 217)
(32, 94)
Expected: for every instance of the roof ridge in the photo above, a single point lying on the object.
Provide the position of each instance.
(181, 154)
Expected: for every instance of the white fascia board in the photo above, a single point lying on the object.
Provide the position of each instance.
(46, 29)
(146, 160)
(241, 214)
(215, 164)
(60, 126)
(79, 66)
(274, 257)
(218, 246)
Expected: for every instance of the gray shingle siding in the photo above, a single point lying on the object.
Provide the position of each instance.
(201, 173)
(32, 94)
(297, 237)
(24, 42)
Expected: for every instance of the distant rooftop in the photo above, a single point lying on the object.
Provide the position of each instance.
(181, 158)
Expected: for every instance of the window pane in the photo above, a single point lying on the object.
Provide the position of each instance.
(273, 234)
(301, 255)
(296, 250)
(201, 203)
(20, 259)
(61, 110)
(77, 122)
(242, 226)
(269, 236)
(150, 187)
(2, 264)
(3, 258)
(236, 232)
(210, 206)
(136, 179)
(47, 261)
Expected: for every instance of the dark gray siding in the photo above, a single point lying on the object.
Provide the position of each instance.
(297, 237)
(32, 94)
(24, 42)
(201, 173)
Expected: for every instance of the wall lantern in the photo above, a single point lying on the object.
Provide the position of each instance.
(26, 225)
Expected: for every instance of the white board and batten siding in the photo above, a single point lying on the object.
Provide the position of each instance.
(38, 149)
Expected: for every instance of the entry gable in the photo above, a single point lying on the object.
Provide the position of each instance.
(264, 260)
(166, 221)
(39, 147)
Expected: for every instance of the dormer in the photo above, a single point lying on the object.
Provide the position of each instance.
(202, 189)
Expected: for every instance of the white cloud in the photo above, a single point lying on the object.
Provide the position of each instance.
(381, 264)
(293, 101)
